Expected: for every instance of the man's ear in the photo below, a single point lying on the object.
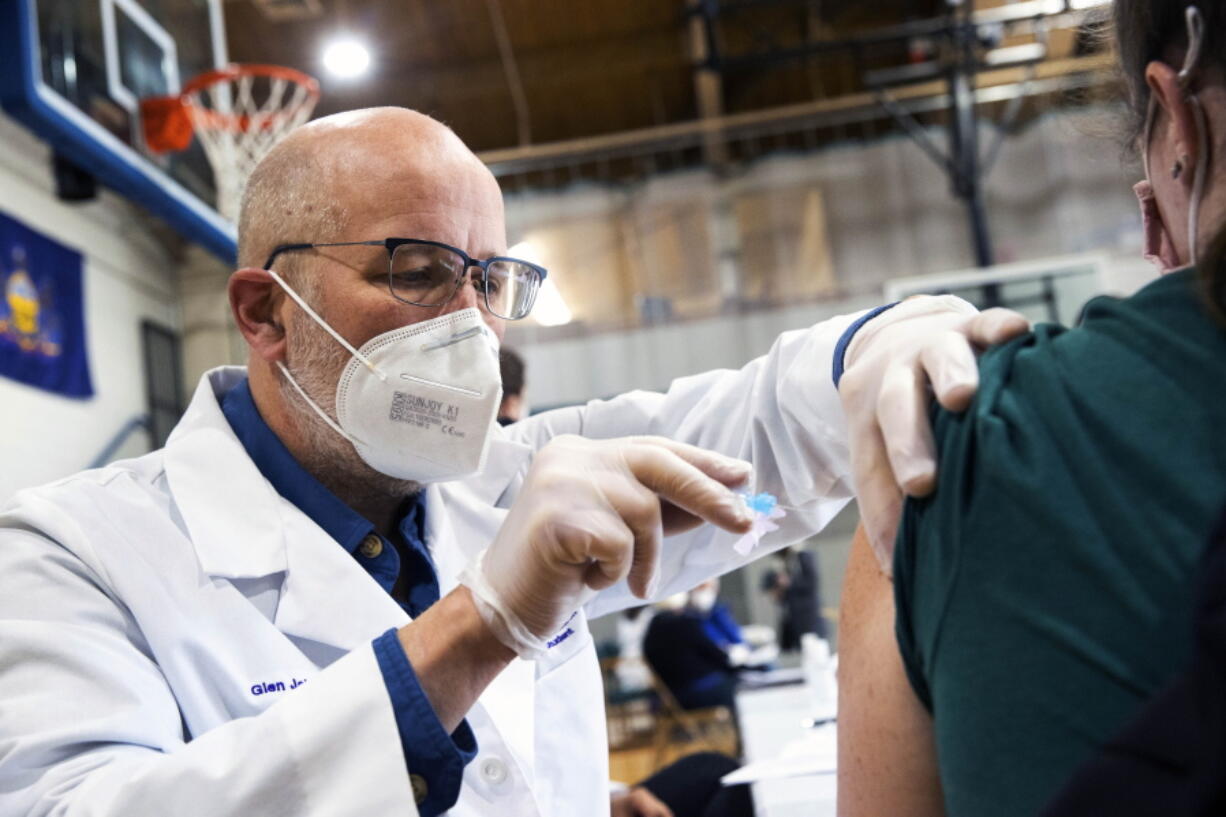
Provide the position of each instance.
(1163, 81)
(255, 300)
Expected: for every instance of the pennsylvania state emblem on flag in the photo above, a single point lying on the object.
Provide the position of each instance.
(42, 327)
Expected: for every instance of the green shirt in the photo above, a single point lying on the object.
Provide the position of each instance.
(1044, 591)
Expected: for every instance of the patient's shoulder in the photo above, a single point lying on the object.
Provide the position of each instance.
(1044, 588)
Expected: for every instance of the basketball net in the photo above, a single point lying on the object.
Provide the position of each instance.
(238, 113)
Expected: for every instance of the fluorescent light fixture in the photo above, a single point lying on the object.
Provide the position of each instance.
(346, 59)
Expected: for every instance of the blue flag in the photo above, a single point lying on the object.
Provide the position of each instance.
(42, 323)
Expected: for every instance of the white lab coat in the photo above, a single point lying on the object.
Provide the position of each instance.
(176, 638)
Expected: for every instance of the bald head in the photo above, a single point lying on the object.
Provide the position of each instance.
(337, 177)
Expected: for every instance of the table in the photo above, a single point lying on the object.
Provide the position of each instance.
(777, 742)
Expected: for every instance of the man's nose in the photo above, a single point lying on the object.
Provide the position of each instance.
(467, 295)
(470, 295)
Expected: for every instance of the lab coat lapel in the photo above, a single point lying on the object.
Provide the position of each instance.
(229, 509)
(242, 528)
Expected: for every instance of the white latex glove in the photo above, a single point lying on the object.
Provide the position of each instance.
(591, 513)
(891, 363)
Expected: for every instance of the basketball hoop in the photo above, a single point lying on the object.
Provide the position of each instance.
(238, 113)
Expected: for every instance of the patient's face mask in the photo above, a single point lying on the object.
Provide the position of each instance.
(418, 402)
(703, 600)
(1159, 249)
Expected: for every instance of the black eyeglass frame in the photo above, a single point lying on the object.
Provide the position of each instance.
(390, 244)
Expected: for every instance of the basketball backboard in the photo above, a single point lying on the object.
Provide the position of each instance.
(74, 72)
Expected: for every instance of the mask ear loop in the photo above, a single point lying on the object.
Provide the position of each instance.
(335, 335)
(1150, 113)
(1198, 178)
(323, 415)
(1196, 37)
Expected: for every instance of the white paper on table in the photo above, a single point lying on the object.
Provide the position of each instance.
(814, 754)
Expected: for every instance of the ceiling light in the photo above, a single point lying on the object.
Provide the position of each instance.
(346, 58)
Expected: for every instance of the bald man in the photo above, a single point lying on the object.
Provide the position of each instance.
(341, 588)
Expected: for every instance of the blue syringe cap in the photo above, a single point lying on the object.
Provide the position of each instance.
(762, 503)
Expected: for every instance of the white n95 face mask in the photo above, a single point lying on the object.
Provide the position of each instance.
(418, 402)
(703, 600)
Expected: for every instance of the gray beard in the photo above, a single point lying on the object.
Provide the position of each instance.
(316, 360)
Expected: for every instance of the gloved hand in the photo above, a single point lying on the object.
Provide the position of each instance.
(888, 368)
(591, 513)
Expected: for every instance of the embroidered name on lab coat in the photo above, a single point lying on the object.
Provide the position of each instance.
(558, 639)
(276, 686)
(562, 636)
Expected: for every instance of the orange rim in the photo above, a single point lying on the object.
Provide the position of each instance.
(228, 121)
(234, 71)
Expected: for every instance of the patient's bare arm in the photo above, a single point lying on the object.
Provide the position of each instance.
(887, 755)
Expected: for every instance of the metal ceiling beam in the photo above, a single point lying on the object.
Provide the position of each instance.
(1054, 13)
(708, 84)
(519, 99)
(994, 86)
(966, 31)
(965, 178)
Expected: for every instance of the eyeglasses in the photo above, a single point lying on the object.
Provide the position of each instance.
(428, 273)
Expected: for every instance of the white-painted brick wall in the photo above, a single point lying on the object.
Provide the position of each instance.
(128, 276)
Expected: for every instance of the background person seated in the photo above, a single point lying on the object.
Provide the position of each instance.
(722, 628)
(717, 620)
(696, 671)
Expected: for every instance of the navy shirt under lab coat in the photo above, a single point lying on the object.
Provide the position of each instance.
(432, 754)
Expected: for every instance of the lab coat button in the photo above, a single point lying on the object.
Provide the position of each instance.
(420, 789)
(371, 547)
(493, 770)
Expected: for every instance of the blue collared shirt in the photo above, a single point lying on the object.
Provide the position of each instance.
(429, 751)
